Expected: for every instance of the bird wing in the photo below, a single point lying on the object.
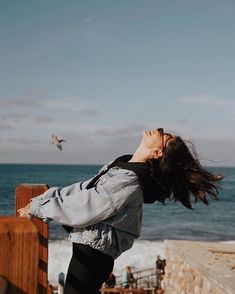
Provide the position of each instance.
(59, 146)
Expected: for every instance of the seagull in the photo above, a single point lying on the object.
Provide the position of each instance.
(57, 141)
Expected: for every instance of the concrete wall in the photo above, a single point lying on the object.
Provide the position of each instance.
(199, 268)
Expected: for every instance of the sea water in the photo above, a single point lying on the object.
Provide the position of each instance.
(215, 222)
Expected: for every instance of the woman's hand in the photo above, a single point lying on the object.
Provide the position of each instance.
(25, 211)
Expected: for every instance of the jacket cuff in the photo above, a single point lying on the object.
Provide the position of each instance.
(35, 207)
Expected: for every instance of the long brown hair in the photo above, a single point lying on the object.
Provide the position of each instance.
(179, 175)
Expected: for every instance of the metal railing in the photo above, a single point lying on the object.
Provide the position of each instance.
(144, 278)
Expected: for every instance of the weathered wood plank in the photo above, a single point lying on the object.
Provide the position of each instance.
(19, 255)
(23, 194)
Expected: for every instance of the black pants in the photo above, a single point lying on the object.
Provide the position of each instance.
(87, 271)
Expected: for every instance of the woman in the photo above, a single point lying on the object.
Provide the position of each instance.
(103, 214)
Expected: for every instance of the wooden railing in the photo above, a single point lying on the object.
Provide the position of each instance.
(24, 248)
(18, 256)
(23, 195)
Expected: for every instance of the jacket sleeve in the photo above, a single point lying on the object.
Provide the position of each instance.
(78, 208)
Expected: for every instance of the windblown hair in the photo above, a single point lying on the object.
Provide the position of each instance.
(181, 177)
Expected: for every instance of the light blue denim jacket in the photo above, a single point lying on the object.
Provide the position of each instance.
(106, 217)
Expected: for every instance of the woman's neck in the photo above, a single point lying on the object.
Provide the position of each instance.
(140, 155)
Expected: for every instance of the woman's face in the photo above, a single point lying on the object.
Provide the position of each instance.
(152, 145)
(156, 139)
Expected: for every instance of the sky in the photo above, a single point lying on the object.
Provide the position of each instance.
(99, 73)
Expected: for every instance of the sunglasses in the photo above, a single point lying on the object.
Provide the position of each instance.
(169, 136)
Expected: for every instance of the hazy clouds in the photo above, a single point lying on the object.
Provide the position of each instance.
(99, 76)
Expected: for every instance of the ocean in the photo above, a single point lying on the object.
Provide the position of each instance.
(215, 222)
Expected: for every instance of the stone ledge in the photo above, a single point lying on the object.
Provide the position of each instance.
(211, 263)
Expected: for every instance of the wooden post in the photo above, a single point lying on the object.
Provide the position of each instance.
(18, 256)
(24, 193)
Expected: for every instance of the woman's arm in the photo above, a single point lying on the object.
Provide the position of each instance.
(50, 193)
(78, 208)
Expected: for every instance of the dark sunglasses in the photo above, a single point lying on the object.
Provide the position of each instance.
(161, 132)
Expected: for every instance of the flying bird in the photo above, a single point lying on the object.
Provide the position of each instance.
(57, 141)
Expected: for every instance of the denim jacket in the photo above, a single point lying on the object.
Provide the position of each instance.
(106, 217)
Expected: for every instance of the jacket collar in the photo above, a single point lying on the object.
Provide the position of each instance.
(143, 172)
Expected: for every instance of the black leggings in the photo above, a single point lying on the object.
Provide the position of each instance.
(87, 271)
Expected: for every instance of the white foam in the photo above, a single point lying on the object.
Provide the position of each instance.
(232, 242)
(142, 255)
(60, 253)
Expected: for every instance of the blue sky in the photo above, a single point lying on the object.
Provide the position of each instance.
(98, 73)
